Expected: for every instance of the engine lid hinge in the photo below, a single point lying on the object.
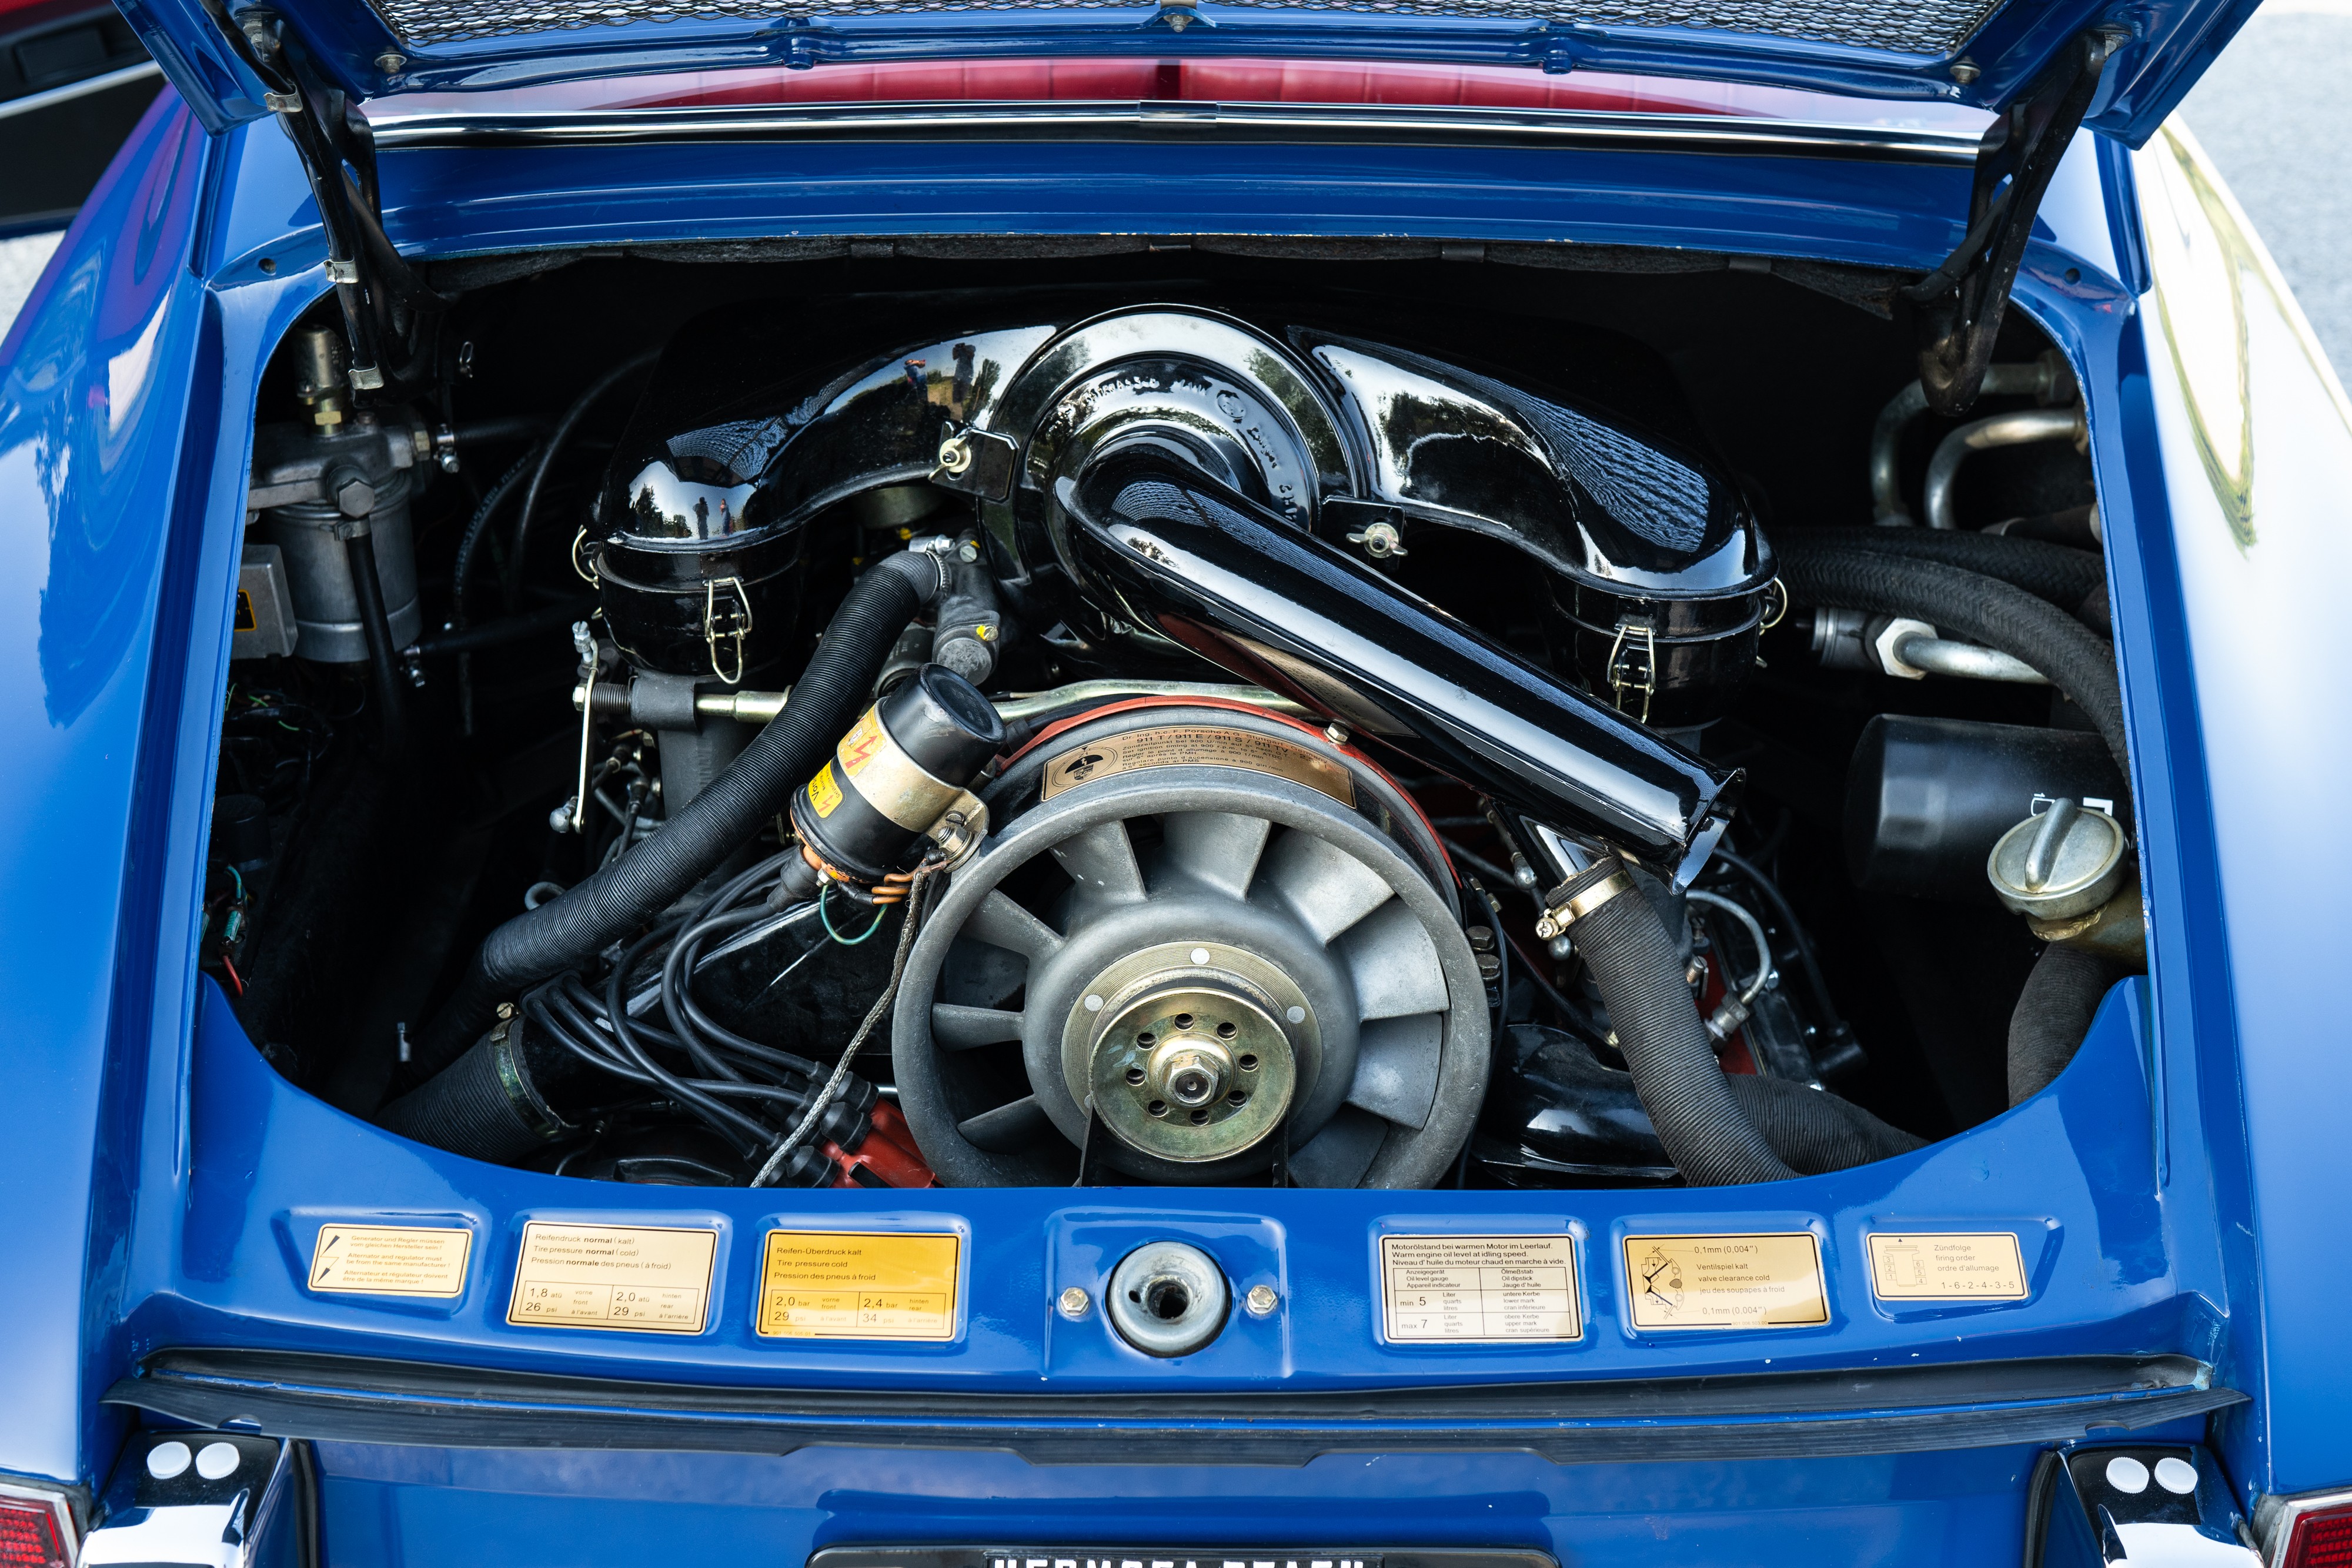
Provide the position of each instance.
(384, 301)
(1961, 302)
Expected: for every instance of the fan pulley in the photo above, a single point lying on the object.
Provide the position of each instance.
(1203, 940)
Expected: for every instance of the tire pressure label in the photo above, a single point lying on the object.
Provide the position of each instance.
(1470, 1289)
(648, 1279)
(854, 1284)
(391, 1259)
(1197, 746)
(1929, 1267)
(1769, 1282)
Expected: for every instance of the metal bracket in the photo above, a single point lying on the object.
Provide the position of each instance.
(1961, 302)
(1634, 666)
(380, 296)
(738, 625)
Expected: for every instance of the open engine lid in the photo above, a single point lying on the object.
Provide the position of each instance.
(1979, 53)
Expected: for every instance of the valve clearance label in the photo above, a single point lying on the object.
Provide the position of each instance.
(1947, 1267)
(648, 1279)
(1478, 1289)
(857, 1284)
(1197, 746)
(391, 1259)
(1769, 1282)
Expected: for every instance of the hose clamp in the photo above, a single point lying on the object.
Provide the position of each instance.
(1561, 912)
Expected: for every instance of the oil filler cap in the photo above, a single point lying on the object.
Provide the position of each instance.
(1167, 1298)
(2062, 862)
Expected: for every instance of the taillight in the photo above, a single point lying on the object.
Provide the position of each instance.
(36, 1530)
(2322, 1534)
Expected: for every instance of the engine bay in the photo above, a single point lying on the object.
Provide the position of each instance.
(1171, 718)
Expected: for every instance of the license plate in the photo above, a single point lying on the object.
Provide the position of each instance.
(1098, 1555)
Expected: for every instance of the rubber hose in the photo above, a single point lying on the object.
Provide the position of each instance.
(468, 1108)
(2058, 573)
(376, 627)
(1813, 1131)
(568, 931)
(547, 454)
(2054, 1013)
(1979, 608)
(1638, 966)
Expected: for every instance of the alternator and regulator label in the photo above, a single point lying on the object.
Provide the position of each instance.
(648, 1279)
(1479, 1288)
(1763, 1281)
(391, 1259)
(1197, 746)
(856, 1284)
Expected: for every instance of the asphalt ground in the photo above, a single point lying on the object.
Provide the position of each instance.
(2275, 112)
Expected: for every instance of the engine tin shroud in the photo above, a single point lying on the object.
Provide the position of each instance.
(1331, 436)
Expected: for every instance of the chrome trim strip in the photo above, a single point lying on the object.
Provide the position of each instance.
(33, 102)
(1122, 120)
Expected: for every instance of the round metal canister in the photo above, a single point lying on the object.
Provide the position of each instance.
(319, 572)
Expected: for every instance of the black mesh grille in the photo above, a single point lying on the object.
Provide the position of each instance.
(1924, 28)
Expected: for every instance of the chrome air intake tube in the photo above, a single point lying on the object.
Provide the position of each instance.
(1217, 572)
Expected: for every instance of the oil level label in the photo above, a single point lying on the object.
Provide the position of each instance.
(1767, 1282)
(1947, 1267)
(1479, 1288)
(391, 1259)
(854, 1284)
(1197, 746)
(643, 1278)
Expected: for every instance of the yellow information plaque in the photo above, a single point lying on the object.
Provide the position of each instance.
(859, 1285)
(646, 1279)
(1471, 1290)
(1947, 1267)
(1769, 1282)
(391, 1259)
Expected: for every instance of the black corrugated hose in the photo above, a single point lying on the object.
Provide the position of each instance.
(1638, 966)
(2063, 575)
(2071, 656)
(1814, 1130)
(569, 931)
(2054, 1013)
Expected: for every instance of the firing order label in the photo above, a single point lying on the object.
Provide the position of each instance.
(645, 1279)
(1479, 1288)
(1947, 1267)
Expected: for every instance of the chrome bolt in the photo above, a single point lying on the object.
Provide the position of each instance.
(391, 61)
(1261, 1300)
(1965, 71)
(1074, 1302)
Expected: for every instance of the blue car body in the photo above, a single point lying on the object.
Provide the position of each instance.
(2177, 1190)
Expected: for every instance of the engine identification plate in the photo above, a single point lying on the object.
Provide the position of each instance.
(1197, 746)
(1769, 1282)
(1986, 1266)
(859, 1285)
(391, 1259)
(1469, 1290)
(653, 1280)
